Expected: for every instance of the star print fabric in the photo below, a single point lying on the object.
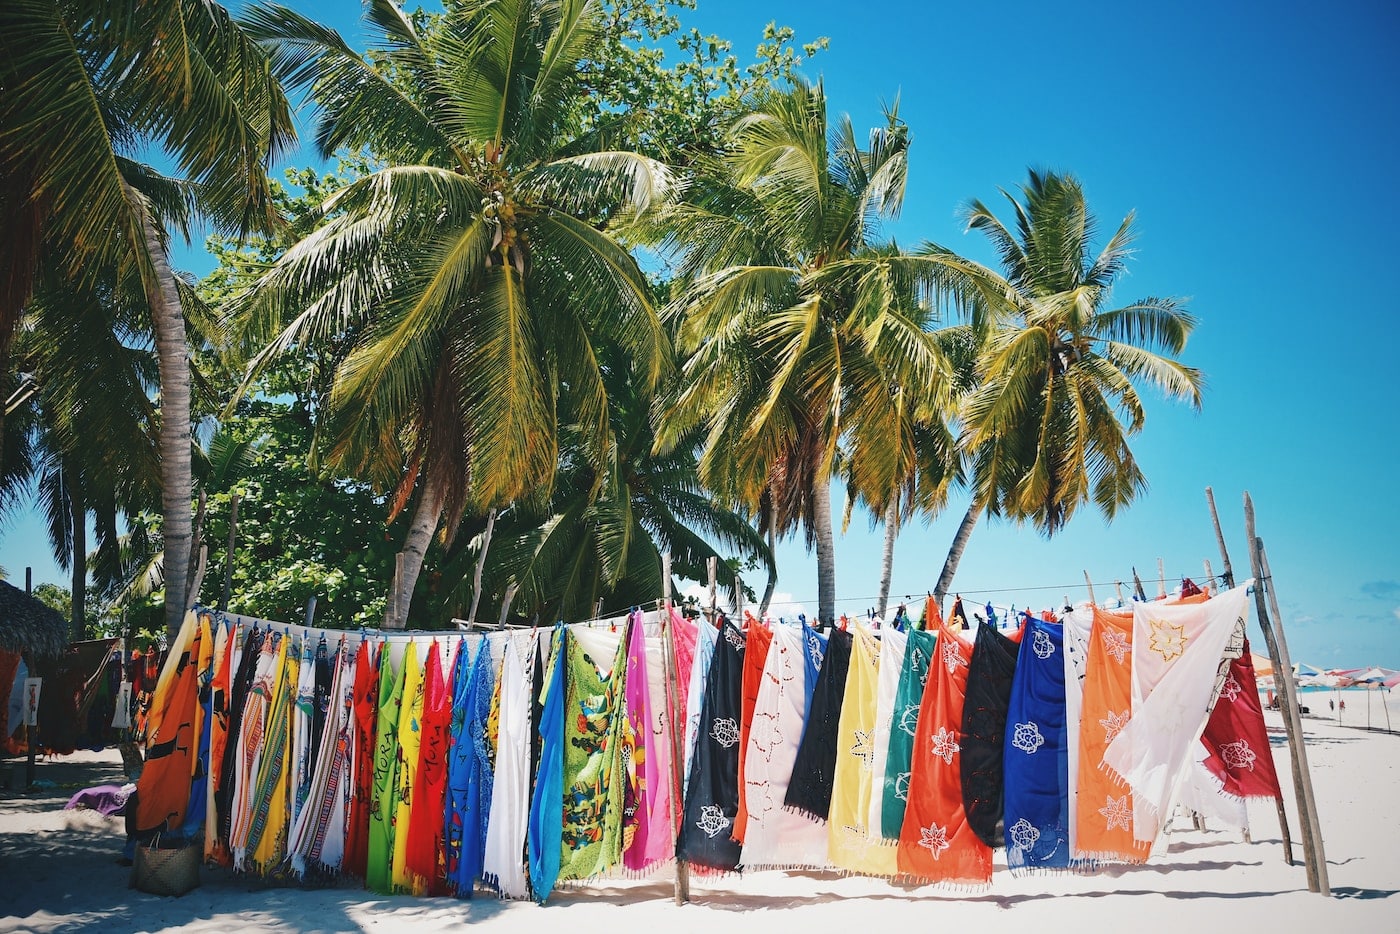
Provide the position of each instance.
(989, 679)
(1037, 754)
(712, 793)
(851, 843)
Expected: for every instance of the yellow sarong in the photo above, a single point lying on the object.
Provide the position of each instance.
(851, 843)
(409, 736)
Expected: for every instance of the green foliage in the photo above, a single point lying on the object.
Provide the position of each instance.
(55, 598)
(670, 92)
(300, 532)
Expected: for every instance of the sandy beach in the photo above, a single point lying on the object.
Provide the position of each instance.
(60, 873)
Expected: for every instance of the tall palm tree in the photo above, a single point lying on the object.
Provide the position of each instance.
(84, 86)
(794, 322)
(474, 277)
(1046, 429)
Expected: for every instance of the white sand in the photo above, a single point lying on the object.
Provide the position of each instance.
(58, 873)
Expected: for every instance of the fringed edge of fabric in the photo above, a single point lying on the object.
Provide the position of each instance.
(800, 811)
(493, 884)
(951, 886)
(787, 867)
(1102, 859)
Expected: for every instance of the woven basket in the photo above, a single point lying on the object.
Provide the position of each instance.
(166, 872)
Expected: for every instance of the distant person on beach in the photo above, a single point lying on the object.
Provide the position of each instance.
(1331, 705)
(1342, 705)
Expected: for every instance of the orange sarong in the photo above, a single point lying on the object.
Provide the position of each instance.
(936, 842)
(760, 638)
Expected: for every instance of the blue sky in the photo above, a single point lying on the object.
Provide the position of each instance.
(1255, 149)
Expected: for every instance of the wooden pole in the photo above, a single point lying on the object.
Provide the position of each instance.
(682, 887)
(1227, 576)
(197, 581)
(1161, 578)
(480, 566)
(1090, 584)
(1209, 584)
(228, 555)
(1313, 849)
(1118, 589)
(29, 731)
(310, 610)
(712, 570)
(1137, 586)
(506, 601)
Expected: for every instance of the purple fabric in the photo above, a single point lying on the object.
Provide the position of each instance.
(105, 799)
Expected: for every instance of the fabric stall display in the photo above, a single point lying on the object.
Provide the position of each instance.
(712, 794)
(429, 764)
(1037, 754)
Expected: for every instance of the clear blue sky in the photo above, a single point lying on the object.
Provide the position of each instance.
(1255, 148)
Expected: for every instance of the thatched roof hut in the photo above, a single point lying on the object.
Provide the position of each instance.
(26, 625)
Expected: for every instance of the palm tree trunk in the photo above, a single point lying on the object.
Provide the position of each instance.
(415, 546)
(887, 562)
(481, 566)
(955, 553)
(77, 511)
(772, 579)
(826, 552)
(172, 351)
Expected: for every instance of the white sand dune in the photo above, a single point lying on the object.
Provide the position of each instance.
(58, 873)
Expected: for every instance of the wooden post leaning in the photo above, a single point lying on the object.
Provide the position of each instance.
(668, 657)
(1090, 584)
(1313, 855)
(1310, 817)
(1227, 578)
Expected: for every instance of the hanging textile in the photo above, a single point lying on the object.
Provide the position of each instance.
(378, 867)
(1076, 627)
(706, 635)
(228, 801)
(1104, 809)
(250, 745)
(712, 794)
(904, 723)
(892, 645)
(163, 790)
(470, 779)
(936, 842)
(323, 685)
(853, 843)
(652, 838)
(324, 802)
(1176, 655)
(215, 850)
(1236, 738)
(815, 768)
(361, 784)
(192, 828)
(267, 836)
(303, 714)
(338, 735)
(546, 823)
(503, 865)
(778, 837)
(426, 855)
(684, 634)
(989, 678)
(1037, 754)
(410, 742)
(593, 775)
(759, 639)
(813, 657)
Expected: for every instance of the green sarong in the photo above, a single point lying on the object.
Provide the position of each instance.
(386, 760)
(905, 720)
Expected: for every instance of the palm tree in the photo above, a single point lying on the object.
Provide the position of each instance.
(796, 326)
(473, 278)
(601, 534)
(1046, 429)
(84, 85)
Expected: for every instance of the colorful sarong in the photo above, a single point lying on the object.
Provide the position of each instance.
(712, 794)
(1037, 754)
(936, 842)
(366, 708)
(379, 858)
(410, 741)
(892, 644)
(652, 838)
(904, 720)
(989, 679)
(852, 843)
(425, 855)
(1237, 739)
(163, 790)
(815, 768)
(546, 824)
(759, 638)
